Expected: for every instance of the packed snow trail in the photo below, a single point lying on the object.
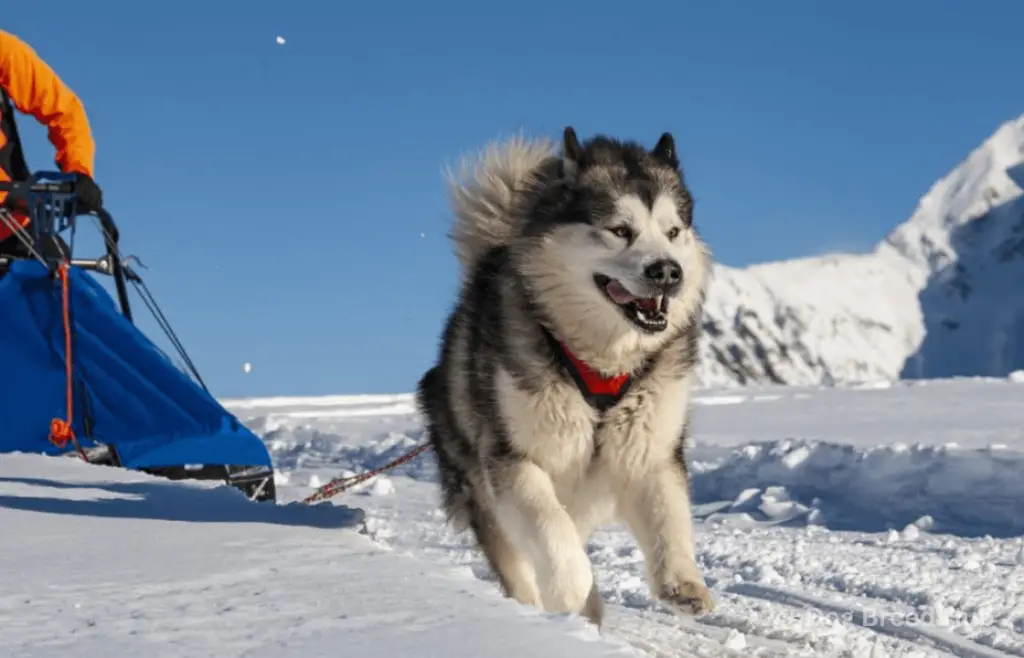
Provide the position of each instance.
(97, 561)
(865, 521)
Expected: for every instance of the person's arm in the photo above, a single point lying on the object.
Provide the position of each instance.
(35, 89)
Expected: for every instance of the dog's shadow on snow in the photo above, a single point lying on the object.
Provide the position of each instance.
(164, 500)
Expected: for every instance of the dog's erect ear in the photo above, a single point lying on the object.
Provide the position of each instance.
(665, 150)
(571, 153)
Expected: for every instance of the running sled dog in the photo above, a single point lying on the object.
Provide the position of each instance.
(559, 401)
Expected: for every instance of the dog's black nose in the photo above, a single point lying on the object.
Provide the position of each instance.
(665, 273)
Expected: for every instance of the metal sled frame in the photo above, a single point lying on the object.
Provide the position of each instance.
(48, 199)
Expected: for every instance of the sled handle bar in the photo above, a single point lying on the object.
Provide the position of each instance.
(53, 184)
(37, 188)
(43, 182)
(57, 183)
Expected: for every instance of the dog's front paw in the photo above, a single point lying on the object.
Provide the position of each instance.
(567, 586)
(686, 595)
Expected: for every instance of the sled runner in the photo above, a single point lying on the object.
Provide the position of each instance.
(80, 377)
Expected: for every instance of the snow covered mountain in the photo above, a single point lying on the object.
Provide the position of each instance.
(942, 295)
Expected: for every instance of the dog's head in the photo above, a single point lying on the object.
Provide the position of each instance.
(609, 249)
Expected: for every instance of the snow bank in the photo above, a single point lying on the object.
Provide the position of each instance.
(943, 489)
(945, 455)
(307, 447)
(968, 492)
(98, 561)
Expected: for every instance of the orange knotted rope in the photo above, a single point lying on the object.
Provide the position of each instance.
(60, 430)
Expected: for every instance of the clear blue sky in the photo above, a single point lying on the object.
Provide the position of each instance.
(278, 194)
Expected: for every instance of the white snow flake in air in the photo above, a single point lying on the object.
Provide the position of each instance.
(247, 367)
(280, 41)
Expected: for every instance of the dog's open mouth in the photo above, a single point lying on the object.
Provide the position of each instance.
(648, 313)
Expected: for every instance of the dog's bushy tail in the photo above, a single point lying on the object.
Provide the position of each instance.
(483, 194)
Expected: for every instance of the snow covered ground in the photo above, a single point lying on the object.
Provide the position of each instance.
(99, 562)
(855, 521)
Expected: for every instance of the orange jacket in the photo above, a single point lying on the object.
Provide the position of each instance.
(35, 89)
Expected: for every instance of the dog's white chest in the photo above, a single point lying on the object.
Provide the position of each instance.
(645, 430)
(554, 427)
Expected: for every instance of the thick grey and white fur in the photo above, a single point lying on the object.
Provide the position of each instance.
(594, 244)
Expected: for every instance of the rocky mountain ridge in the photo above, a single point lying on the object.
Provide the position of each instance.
(941, 295)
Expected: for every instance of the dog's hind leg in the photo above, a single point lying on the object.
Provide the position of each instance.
(532, 516)
(514, 571)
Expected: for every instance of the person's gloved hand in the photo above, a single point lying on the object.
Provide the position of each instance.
(88, 194)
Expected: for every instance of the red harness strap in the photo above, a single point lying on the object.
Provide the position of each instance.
(600, 392)
(594, 382)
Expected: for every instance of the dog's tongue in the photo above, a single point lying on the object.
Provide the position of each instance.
(618, 292)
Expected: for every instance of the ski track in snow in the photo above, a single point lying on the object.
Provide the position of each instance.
(878, 520)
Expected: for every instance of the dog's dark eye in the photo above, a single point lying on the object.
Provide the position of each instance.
(673, 233)
(623, 232)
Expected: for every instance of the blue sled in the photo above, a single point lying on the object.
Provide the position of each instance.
(133, 407)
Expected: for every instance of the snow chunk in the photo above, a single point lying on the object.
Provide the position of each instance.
(910, 533)
(735, 640)
(381, 485)
(934, 488)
